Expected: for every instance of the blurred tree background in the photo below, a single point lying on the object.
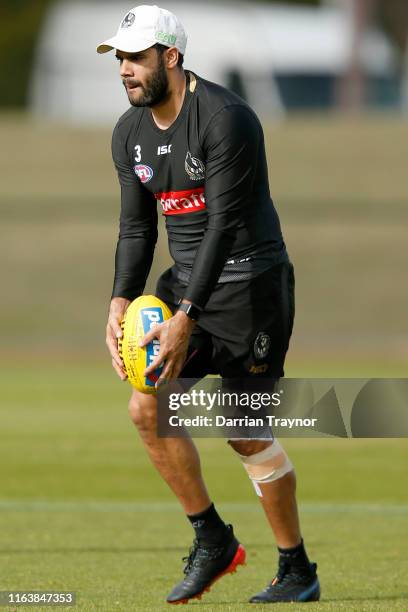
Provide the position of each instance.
(393, 16)
(20, 24)
(21, 20)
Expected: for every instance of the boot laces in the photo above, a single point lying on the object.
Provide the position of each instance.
(283, 574)
(198, 556)
(286, 575)
(189, 560)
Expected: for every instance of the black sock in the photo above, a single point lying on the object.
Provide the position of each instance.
(209, 527)
(296, 556)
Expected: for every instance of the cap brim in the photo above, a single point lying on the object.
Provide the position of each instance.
(125, 44)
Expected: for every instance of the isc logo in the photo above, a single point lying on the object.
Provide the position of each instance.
(164, 149)
(151, 316)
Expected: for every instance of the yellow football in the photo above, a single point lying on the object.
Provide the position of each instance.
(143, 313)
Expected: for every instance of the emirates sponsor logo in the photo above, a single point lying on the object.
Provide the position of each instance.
(181, 202)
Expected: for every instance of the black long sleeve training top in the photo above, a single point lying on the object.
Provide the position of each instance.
(208, 171)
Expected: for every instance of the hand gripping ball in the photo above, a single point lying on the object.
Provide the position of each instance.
(143, 313)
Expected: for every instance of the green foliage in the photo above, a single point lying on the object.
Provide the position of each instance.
(20, 23)
(393, 16)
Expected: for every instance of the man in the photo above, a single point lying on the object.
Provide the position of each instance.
(198, 149)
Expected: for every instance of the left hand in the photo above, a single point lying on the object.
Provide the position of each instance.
(174, 335)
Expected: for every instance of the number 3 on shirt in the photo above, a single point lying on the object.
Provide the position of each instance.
(138, 153)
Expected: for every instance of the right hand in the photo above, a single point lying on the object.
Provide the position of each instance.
(118, 307)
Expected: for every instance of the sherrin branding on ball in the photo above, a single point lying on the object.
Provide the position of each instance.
(143, 313)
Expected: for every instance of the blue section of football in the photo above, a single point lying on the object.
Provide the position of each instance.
(151, 316)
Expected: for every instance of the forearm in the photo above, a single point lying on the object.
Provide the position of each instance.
(133, 261)
(208, 265)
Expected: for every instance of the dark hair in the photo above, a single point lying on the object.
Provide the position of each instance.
(162, 48)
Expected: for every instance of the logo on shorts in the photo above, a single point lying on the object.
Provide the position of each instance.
(262, 345)
(194, 167)
(260, 369)
(128, 21)
(145, 173)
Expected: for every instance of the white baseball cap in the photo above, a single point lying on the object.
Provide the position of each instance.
(144, 26)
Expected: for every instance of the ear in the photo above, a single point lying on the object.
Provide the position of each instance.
(172, 56)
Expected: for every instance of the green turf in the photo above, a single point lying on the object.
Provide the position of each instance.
(127, 560)
(81, 508)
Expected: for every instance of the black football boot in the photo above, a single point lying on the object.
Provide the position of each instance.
(291, 584)
(205, 565)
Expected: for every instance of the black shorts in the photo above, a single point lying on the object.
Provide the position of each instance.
(245, 328)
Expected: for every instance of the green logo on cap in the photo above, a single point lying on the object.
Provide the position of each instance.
(165, 38)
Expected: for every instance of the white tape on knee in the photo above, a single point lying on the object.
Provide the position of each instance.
(267, 465)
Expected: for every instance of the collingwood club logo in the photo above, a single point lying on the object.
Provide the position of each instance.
(194, 167)
(261, 345)
(128, 21)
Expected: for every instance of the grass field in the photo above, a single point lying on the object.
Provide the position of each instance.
(80, 507)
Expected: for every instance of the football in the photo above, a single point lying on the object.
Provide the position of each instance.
(143, 313)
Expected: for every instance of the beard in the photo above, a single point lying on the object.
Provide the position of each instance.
(154, 91)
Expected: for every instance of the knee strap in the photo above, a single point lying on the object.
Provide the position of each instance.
(267, 465)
